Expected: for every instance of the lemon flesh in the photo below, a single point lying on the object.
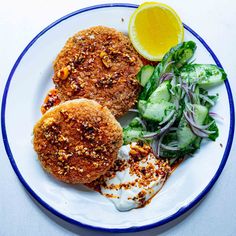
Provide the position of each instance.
(153, 29)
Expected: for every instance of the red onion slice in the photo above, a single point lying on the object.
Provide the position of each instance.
(142, 123)
(134, 110)
(170, 148)
(167, 65)
(162, 130)
(166, 76)
(159, 144)
(198, 132)
(167, 118)
(215, 115)
(191, 122)
(207, 99)
(151, 135)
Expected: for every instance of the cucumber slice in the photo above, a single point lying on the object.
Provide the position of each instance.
(180, 55)
(173, 155)
(142, 104)
(135, 123)
(185, 135)
(206, 76)
(158, 111)
(162, 93)
(145, 74)
(197, 143)
(196, 98)
(200, 113)
(131, 135)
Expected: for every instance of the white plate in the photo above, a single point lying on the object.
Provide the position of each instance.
(26, 87)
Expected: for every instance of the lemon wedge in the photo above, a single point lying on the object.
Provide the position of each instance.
(154, 28)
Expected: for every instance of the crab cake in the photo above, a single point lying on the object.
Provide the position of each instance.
(99, 63)
(77, 141)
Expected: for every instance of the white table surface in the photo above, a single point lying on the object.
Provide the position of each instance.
(20, 21)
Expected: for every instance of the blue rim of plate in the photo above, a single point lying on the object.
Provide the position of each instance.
(182, 210)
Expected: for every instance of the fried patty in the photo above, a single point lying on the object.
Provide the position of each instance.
(77, 141)
(99, 63)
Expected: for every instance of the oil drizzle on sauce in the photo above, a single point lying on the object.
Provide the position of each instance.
(146, 174)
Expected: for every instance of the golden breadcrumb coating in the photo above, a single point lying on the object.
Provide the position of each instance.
(77, 141)
(99, 63)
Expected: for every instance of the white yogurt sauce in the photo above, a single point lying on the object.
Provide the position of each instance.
(137, 179)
